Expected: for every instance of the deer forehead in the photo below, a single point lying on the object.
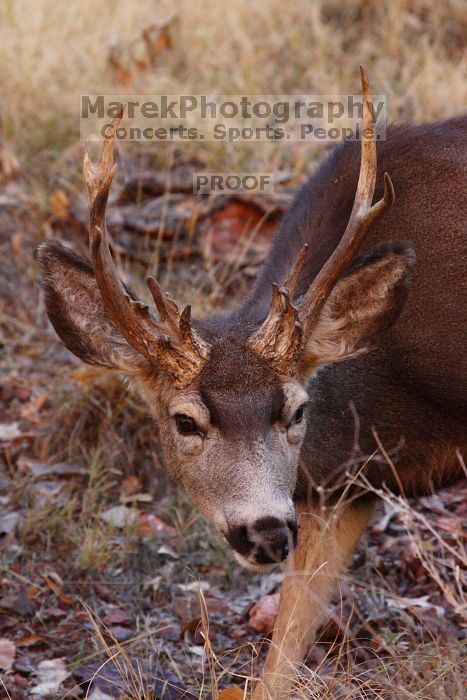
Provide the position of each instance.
(240, 411)
(237, 389)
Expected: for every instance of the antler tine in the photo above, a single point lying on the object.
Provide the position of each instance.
(362, 215)
(292, 280)
(129, 315)
(166, 306)
(179, 324)
(172, 343)
(279, 339)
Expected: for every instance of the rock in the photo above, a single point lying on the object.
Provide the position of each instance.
(119, 516)
(263, 613)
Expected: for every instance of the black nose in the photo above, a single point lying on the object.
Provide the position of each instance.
(267, 541)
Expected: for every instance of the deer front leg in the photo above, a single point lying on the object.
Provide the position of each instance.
(325, 544)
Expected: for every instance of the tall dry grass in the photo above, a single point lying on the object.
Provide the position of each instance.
(51, 51)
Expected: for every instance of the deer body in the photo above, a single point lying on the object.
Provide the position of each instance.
(333, 371)
(411, 388)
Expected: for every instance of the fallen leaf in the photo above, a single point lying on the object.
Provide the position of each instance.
(377, 643)
(130, 485)
(121, 634)
(450, 524)
(192, 625)
(30, 640)
(32, 409)
(50, 673)
(8, 523)
(158, 38)
(66, 599)
(263, 613)
(54, 613)
(197, 650)
(185, 607)
(171, 633)
(59, 204)
(199, 635)
(232, 220)
(17, 681)
(41, 470)
(17, 242)
(168, 551)
(33, 592)
(234, 693)
(217, 606)
(420, 602)
(9, 431)
(119, 516)
(54, 582)
(194, 586)
(150, 525)
(7, 654)
(237, 633)
(19, 604)
(25, 663)
(136, 498)
(9, 163)
(116, 616)
(9, 391)
(143, 51)
(99, 695)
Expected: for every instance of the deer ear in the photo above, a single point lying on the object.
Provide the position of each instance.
(362, 306)
(76, 311)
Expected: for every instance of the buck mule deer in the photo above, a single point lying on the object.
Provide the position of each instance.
(258, 409)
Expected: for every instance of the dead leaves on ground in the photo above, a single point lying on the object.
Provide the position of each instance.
(127, 59)
(114, 679)
(181, 622)
(42, 618)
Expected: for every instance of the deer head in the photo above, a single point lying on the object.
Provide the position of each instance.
(229, 394)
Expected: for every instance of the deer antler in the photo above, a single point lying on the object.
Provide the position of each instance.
(279, 339)
(172, 343)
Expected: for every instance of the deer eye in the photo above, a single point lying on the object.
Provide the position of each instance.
(185, 424)
(298, 416)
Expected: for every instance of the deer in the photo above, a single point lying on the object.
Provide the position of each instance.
(347, 350)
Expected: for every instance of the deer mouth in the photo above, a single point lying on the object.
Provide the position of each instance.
(251, 565)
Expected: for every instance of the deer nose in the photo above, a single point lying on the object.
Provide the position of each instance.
(267, 541)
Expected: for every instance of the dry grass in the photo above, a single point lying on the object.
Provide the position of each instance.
(403, 669)
(51, 52)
